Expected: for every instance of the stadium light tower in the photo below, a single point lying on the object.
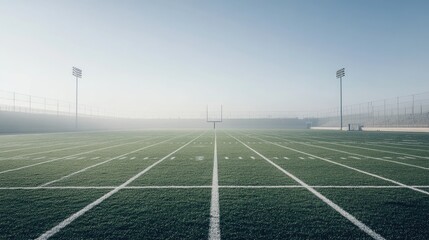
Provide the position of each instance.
(340, 75)
(214, 121)
(78, 74)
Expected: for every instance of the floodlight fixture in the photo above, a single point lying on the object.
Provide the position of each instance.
(77, 72)
(214, 121)
(340, 74)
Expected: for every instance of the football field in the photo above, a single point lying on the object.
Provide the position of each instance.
(223, 184)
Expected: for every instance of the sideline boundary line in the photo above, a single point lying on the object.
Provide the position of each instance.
(209, 186)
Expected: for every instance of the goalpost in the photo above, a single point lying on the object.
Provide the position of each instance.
(214, 116)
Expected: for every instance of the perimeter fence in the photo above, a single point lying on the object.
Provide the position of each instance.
(24, 103)
(405, 111)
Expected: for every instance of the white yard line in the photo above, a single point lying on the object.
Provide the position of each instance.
(364, 156)
(346, 166)
(357, 154)
(378, 150)
(57, 150)
(226, 186)
(104, 162)
(65, 157)
(214, 230)
(81, 212)
(23, 149)
(337, 208)
(68, 148)
(396, 147)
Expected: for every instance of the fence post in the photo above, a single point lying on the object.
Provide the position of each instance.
(412, 111)
(384, 114)
(397, 110)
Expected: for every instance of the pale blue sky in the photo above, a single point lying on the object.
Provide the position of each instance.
(173, 56)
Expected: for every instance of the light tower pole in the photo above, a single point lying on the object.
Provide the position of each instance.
(78, 74)
(340, 75)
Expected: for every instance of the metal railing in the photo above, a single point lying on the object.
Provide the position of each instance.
(24, 103)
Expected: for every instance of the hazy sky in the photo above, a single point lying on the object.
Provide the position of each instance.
(177, 56)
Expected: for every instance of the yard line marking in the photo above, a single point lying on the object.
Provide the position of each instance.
(21, 149)
(252, 157)
(275, 157)
(321, 186)
(378, 150)
(214, 230)
(68, 148)
(122, 158)
(39, 158)
(301, 158)
(106, 161)
(226, 158)
(133, 158)
(387, 157)
(337, 208)
(224, 186)
(172, 158)
(240, 158)
(81, 158)
(61, 158)
(54, 150)
(286, 158)
(364, 156)
(146, 158)
(360, 155)
(343, 158)
(410, 157)
(346, 166)
(79, 213)
(311, 158)
(94, 158)
(382, 144)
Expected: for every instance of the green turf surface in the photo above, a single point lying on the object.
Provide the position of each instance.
(45, 178)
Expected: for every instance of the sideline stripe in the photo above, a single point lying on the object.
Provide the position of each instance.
(352, 168)
(79, 213)
(226, 186)
(337, 208)
(106, 161)
(214, 230)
